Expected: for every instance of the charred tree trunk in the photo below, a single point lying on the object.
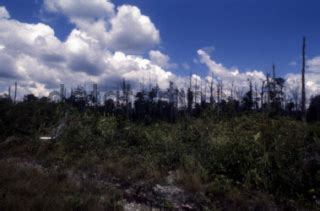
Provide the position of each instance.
(268, 92)
(15, 93)
(303, 89)
(262, 94)
(211, 92)
(256, 101)
(274, 71)
(9, 92)
(190, 96)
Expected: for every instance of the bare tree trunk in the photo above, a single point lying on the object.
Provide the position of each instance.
(211, 92)
(274, 83)
(268, 94)
(190, 96)
(256, 97)
(205, 91)
(232, 89)
(9, 92)
(218, 98)
(15, 93)
(303, 89)
(118, 97)
(274, 71)
(262, 94)
(196, 92)
(221, 91)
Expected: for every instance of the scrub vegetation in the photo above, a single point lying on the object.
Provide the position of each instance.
(251, 160)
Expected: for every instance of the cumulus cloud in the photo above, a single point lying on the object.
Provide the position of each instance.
(32, 55)
(7, 66)
(229, 75)
(125, 28)
(4, 13)
(81, 10)
(141, 70)
(20, 41)
(161, 59)
(131, 31)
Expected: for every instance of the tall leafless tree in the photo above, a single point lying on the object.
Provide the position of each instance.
(211, 91)
(15, 93)
(9, 92)
(262, 93)
(268, 91)
(190, 96)
(295, 94)
(256, 100)
(303, 88)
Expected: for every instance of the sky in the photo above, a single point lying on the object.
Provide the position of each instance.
(47, 42)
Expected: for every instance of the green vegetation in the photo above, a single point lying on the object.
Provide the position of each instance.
(247, 161)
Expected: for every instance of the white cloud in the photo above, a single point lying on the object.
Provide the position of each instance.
(32, 55)
(312, 78)
(4, 13)
(313, 65)
(232, 75)
(142, 70)
(81, 10)
(208, 49)
(125, 29)
(131, 31)
(161, 59)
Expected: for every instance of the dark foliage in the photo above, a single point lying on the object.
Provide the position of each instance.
(231, 160)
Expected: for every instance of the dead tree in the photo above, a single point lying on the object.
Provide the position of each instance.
(268, 91)
(303, 88)
(219, 95)
(218, 92)
(274, 78)
(205, 91)
(196, 92)
(15, 93)
(9, 92)
(126, 90)
(262, 93)
(221, 91)
(118, 96)
(295, 94)
(190, 96)
(211, 92)
(274, 71)
(256, 97)
(232, 90)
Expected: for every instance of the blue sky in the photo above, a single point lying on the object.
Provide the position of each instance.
(247, 34)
